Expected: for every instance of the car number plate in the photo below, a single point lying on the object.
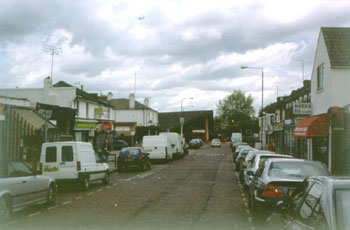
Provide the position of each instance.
(129, 159)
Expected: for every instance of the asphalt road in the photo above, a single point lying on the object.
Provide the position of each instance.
(200, 191)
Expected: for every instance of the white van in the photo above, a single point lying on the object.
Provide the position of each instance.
(158, 147)
(72, 161)
(236, 137)
(176, 143)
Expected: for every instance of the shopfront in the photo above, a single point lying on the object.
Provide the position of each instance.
(85, 130)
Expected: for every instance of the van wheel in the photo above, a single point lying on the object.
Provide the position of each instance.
(106, 179)
(51, 195)
(5, 209)
(85, 183)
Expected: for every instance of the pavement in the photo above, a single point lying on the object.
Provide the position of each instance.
(200, 191)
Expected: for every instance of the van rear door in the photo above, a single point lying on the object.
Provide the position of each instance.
(68, 165)
(50, 161)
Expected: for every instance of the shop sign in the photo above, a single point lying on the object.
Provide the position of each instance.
(122, 129)
(84, 125)
(91, 133)
(302, 108)
(107, 125)
(278, 127)
(98, 111)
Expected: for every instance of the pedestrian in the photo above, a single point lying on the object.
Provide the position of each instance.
(106, 151)
(271, 147)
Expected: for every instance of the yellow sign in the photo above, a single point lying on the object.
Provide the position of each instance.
(51, 169)
(84, 125)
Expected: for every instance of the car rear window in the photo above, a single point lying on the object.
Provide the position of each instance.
(343, 209)
(51, 154)
(296, 169)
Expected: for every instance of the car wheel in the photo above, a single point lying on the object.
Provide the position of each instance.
(51, 195)
(5, 209)
(106, 179)
(85, 183)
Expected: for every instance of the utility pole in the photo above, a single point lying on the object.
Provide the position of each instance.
(52, 50)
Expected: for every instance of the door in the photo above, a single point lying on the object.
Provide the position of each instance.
(51, 164)
(67, 160)
(13, 183)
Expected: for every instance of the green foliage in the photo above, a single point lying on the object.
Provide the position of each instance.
(238, 108)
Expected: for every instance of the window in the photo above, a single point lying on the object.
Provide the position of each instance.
(67, 153)
(320, 70)
(87, 110)
(19, 170)
(51, 154)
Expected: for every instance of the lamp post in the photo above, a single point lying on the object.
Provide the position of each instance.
(262, 84)
(182, 119)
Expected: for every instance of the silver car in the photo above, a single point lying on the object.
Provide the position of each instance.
(20, 186)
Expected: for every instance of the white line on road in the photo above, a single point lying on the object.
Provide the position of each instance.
(67, 202)
(250, 220)
(78, 198)
(247, 211)
(99, 190)
(34, 214)
(12, 222)
(52, 207)
(246, 205)
(90, 193)
(109, 187)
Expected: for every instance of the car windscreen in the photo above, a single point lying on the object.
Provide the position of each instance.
(194, 141)
(129, 153)
(290, 169)
(342, 198)
(264, 158)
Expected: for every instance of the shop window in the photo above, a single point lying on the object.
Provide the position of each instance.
(87, 110)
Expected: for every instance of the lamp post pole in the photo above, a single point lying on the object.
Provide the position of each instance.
(182, 119)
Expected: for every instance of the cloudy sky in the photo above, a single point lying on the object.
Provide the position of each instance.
(178, 49)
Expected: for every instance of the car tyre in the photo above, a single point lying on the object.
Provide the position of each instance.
(85, 184)
(51, 195)
(5, 209)
(106, 179)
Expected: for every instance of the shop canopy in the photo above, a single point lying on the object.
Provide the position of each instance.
(315, 126)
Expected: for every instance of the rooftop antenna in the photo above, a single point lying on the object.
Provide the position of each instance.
(52, 50)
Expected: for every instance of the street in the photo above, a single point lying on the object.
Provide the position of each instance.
(200, 191)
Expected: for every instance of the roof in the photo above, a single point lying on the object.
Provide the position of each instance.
(123, 104)
(82, 93)
(171, 120)
(337, 40)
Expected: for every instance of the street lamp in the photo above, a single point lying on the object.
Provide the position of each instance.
(262, 84)
(182, 119)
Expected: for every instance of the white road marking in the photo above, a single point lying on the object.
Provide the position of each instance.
(90, 193)
(247, 211)
(109, 187)
(34, 214)
(67, 202)
(99, 190)
(12, 222)
(52, 207)
(246, 205)
(78, 198)
(115, 184)
(250, 220)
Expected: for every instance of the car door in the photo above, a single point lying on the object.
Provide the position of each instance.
(13, 183)
(310, 215)
(67, 161)
(32, 187)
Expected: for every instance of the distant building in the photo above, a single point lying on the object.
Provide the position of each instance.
(197, 124)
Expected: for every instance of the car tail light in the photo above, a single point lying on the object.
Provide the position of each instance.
(271, 191)
(78, 166)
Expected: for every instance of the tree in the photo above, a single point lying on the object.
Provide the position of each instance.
(237, 111)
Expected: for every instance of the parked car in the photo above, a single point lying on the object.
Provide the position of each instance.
(194, 144)
(318, 203)
(276, 180)
(119, 144)
(158, 147)
(133, 157)
(73, 161)
(236, 144)
(254, 163)
(215, 143)
(236, 138)
(200, 141)
(237, 149)
(21, 186)
(176, 143)
(241, 156)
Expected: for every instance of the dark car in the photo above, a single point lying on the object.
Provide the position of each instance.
(133, 157)
(318, 203)
(194, 144)
(119, 144)
(276, 180)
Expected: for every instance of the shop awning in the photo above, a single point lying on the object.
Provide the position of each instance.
(315, 126)
(33, 118)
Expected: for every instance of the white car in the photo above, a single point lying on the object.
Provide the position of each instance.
(20, 187)
(73, 161)
(215, 143)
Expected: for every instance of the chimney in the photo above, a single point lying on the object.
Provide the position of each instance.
(132, 101)
(82, 87)
(47, 83)
(109, 96)
(146, 102)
